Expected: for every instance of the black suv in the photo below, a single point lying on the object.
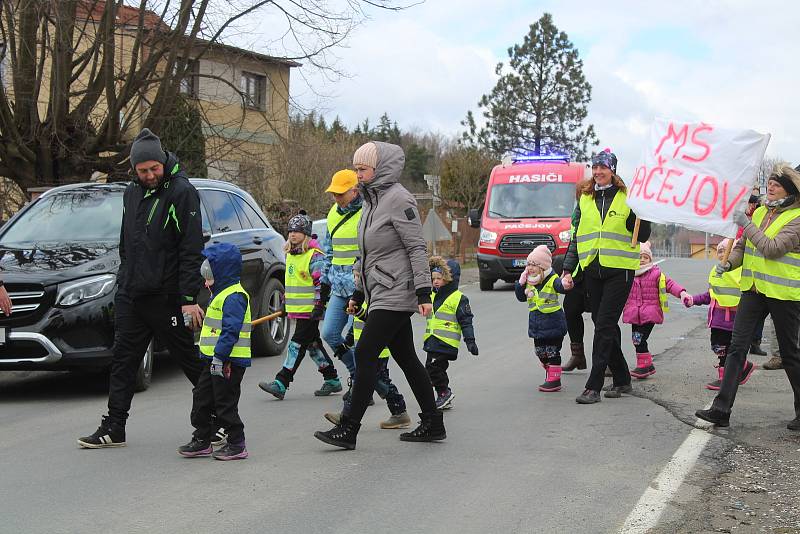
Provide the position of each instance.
(59, 258)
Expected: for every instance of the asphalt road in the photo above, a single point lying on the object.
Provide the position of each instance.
(516, 460)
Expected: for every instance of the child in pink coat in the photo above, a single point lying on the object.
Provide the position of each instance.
(646, 305)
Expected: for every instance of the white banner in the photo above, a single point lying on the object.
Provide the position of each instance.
(696, 175)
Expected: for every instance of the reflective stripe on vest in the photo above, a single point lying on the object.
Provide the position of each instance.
(299, 286)
(345, 241)
(546, 299)
(662, 292)
(725, 289)
(777, 278)
(442, 324)
(609, 238)
(358, 326)
(212, 325)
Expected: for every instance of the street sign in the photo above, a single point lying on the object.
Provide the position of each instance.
(434, 229)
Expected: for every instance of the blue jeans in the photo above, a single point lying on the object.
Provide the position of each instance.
(336, 321)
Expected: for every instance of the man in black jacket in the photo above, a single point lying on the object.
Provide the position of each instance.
(160, 250)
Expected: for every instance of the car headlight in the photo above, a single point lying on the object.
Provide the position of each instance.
(74, 293)
(488, 237)
(564, 236)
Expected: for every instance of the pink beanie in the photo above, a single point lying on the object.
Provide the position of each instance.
(541, 256)
(644, 248)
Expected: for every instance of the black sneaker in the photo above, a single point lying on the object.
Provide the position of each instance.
(108, 434)
(616, 391)
(714, 416)
(431, 428)
(195, 448)
(444, 399)
(231, 452)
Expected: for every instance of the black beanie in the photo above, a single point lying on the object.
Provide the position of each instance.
(147, 147)
(786, 182)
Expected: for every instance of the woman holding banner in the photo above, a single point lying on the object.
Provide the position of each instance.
(604, 227)
(769, 254)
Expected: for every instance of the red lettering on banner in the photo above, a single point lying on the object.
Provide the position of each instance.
(688, 192)
(638, 179)
(710, 207)
(665, 185)
(700, 143)
(680, 136)
(727, 209)
(658, 168)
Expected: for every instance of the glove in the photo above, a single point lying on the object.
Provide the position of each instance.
(318, 313)
(523, 278)
(687, 299)
(324, 293)
(722, 268)
(471, 346)
(220, 368)
(740, 218)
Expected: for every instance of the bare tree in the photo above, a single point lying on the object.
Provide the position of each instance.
(465, 173)
(84, 75)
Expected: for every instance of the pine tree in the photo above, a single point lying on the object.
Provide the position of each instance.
(540, 101)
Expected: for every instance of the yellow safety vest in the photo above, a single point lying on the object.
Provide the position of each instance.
(212, 325)
(358, 326)
(609, 238)
(345, 241)
(725, 289)
(298, 283)
(778, 278)
(443, 323)
(546, 299)
(662, 292)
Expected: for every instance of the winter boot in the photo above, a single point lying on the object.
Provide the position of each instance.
(274, 388)
(747, 372)
(444, 399)
(616, 392)
(195, 448)
(716, 384)
(714, 416)
(773, 363)
(108, 434)
(794, 424)
(431, 428)
(342, 435)
(578, 358)
(400, 420)
(644, 366)
(332, 385)
(589, 396)
(552, 381)
(755, 348)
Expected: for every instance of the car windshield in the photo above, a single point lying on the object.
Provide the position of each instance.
(532, 200)
(76, 216)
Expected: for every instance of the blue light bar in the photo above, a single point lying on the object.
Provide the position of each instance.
(526, 158)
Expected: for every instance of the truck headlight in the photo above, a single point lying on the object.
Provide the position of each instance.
(564, 236)
(488, 237)
(74, 293)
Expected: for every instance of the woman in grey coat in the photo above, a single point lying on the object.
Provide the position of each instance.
(393, 277)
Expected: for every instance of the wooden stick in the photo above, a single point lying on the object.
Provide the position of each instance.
(635, 237)
(266, 318)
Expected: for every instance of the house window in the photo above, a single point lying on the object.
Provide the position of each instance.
(254, 89)
(191, 81)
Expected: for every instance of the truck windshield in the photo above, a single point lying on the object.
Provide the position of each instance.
(531, 200)
(77, 216)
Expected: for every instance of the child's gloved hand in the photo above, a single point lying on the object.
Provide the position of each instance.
(217, 367)
(471, 346)
(523, 278)
(722, 268)
(318, 313)
(687, 299)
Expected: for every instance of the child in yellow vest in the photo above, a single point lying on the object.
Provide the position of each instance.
(539, 286)
(450, 321)
(305, 304)
(225, 347)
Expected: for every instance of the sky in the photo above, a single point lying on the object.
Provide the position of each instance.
(728, 63)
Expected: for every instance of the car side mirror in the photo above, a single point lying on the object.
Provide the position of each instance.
(474, 218)
(206, 237)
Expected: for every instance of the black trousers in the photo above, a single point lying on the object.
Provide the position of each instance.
(576, 303)
(640, 333)
(306, 340)
(436, 364)
(607, 297)
(136, 322)
(752, 309)
(216, 394)
(386, 328)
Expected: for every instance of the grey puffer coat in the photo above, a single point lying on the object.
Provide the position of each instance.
(393, 266)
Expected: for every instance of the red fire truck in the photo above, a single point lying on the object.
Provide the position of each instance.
(529, 202)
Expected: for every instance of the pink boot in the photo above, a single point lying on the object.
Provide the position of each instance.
(644, 365)
(552, 382)
(715, 385)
